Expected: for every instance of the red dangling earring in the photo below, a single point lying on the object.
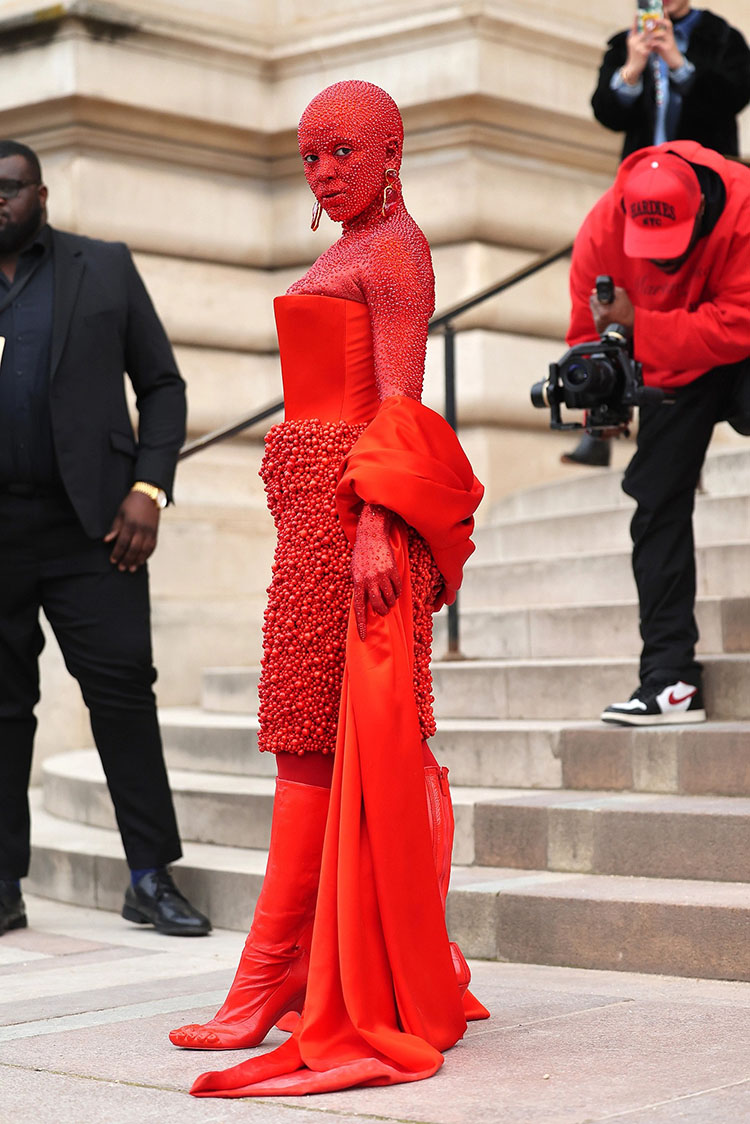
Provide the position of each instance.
(389, 205)
(317, 211)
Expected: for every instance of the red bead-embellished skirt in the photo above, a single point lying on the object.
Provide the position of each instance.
(304, 630)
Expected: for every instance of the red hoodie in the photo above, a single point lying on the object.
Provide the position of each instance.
(686, 322)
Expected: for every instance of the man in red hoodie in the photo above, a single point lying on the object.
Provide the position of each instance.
(674, 234)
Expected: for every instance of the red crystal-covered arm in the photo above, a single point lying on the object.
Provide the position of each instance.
(400, 292)
(409, 459)
(375, 577)
(398, 285)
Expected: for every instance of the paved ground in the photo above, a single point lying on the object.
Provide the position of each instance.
(86, 1001)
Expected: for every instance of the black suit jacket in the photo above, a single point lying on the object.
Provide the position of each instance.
(721, 88)
(104, 325)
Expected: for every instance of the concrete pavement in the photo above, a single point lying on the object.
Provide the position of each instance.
(86, 1001)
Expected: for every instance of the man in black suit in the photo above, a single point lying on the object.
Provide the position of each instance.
(80, 500)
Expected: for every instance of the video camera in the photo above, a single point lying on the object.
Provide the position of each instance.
(599, 376)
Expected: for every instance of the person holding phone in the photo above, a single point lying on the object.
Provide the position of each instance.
(684, 75)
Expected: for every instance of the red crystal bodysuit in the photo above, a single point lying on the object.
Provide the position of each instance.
(330, 396)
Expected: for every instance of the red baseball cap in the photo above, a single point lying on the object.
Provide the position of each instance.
(662, 198)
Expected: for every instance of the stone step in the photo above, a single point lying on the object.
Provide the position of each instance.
(666, 926)
(724, 474)
(631, 834)
(708, 758)
(581, 491)
(605, 529)
(727, 473)
(543, 689)
(595, 629)
(479, 752)
(232, 689)
(682, 928)
(197, 739)
(582, 579)
(566, 580)
(217, 808)
(488, 752)
(228, 810)
(712, 758)
(570, 688)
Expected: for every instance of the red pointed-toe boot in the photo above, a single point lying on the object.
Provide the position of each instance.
(442, 830)
(272, 974)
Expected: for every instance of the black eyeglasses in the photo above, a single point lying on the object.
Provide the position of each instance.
(9, 189)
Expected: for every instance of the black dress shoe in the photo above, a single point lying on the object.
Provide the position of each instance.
(594, 451)
(12, 909)
(155, 900)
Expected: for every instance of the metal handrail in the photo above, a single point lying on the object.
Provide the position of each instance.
(213, 438)
(443, 321)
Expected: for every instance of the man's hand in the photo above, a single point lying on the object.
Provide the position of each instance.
(133, 532)
(374, 571)
(620, 311)
(639, 48)
(662, 41)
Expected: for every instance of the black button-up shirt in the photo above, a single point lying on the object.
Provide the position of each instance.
(27, 452)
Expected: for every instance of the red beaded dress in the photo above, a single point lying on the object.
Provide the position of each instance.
(328, 403)
(382, 996)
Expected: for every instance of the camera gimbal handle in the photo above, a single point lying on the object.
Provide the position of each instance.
(605, 289)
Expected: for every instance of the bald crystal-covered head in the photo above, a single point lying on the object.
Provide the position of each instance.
(349, 135)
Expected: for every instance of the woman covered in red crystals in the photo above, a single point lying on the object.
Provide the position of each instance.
(373, 500)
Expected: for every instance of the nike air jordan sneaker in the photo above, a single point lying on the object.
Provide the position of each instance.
(658, 706)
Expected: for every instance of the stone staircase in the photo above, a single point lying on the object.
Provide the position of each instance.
(576, 843)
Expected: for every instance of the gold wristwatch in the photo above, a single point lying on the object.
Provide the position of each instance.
(158, 495)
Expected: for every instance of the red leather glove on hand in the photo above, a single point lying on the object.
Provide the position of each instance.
(374, 571)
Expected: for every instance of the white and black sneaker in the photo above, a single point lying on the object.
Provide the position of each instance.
(656, 706)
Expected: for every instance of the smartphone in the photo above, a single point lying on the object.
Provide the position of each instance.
(649, 14)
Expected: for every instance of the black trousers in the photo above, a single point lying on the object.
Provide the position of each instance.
(101, 619)
(662, 478)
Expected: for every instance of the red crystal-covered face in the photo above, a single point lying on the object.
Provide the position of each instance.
(345, 174)
(348, 136)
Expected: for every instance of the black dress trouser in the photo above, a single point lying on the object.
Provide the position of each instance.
(662, 478)
(101, 619)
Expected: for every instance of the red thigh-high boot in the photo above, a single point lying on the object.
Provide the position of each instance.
(272, 974)
(442, 828)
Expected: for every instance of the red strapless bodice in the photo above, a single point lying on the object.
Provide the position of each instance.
(326, 358)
